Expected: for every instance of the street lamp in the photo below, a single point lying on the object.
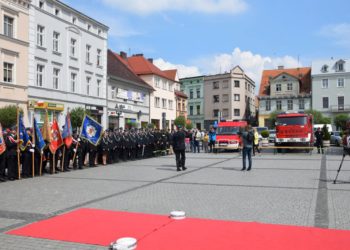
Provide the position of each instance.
(119, 112)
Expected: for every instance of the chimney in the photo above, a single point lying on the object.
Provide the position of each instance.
(123, 55)
(150, 60)
(280, 67)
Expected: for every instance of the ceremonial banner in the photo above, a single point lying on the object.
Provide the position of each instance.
(40, 142)
(91, 130)
(67, 132)
(55, 137)
(46, 128)
(23, 136)
(2, 142)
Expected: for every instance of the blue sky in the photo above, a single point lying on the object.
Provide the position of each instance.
(212, 36)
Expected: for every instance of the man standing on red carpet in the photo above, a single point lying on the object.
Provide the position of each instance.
(179, 147)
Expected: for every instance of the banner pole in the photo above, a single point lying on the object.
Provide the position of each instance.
(75, 152)
(41, 163)
(53, 163)
(18, 141)
(62, 164)
(33, 153)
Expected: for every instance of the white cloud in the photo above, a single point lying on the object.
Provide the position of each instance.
(182, 70)
(252, 64)
(340, 33)
(145, 7)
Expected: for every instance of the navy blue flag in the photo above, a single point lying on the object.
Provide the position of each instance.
(23, 136)
(40, 142)
(91, 130)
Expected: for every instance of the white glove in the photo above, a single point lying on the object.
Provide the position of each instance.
(31, 150)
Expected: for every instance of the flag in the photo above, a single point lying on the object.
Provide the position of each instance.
(55, 137)
(39, 137)
(2, 142)
(23, 136)
(91, 130)
(67, 132)
(46, 128)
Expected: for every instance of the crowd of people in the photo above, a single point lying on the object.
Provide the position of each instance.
(113, 147)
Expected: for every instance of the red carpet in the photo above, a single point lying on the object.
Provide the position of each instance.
(156, 232)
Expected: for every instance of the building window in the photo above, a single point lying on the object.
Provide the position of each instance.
(278, 87)
(183, 106)
(237, 97)
(237, 112)
(191, 93)
(325, 102)
(8, 26)
(267, 105)
(89, 27)
(41, 4)
(157, 80)
(236, 84)
(98, 62)
(340, 83)
(74, 20)
(340, 102)
(225, 84)
(73, 79)
(289, 86)
(301, 104)
(88, 47)
(163, 103)
(216, 85)
(278, 105)
(57, 12)
(216, 98)
(39, 75)
(98, 87)
(88, 82)
(216, 113)
(170, 103)
(8, 72)
(56, 75)
(73, 44)
(325, 83)
(198, 93)
(191, 110)
(40, 36)
(225, 98)
(170, 86)
(324, 68)
(99, 32)
(55, 41)
(165, 84)
(340, 67)
(225, 113)
(290, 104)
(198, 109)
(156, 102)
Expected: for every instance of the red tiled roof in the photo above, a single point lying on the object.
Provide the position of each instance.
(180, 94)
(116, 66)
(171, 73)
(303, 74)
(141, 66)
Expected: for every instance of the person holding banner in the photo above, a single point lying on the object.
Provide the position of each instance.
(11, 156)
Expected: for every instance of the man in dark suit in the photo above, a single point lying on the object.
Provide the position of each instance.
(179, 147)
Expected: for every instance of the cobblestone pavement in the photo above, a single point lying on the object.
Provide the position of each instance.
(290, 188)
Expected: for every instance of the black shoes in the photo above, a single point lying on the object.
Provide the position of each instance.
(242, 169)
(248, 169)
(184, 168)
(178, 169)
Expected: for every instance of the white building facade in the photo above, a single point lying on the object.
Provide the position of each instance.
(67, 62)
(331, 86)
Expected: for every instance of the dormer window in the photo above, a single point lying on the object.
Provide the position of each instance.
(339, 66)
(57, 12)
(324, 68)
(74, 20)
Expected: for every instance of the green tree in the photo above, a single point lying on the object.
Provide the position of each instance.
(326, 134)
(77, 115)
(180, 120)
(318, 117)
(189, 124)
(272, 118)
(340, 121)
(8, 116)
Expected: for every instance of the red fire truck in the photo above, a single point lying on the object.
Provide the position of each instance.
(227, 135)
(294, 129)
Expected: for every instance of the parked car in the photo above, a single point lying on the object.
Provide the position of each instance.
(336, 138)
(272, 136)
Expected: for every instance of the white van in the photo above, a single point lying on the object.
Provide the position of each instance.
(329, 126)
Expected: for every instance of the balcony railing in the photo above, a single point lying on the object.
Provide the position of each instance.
(340, 108)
